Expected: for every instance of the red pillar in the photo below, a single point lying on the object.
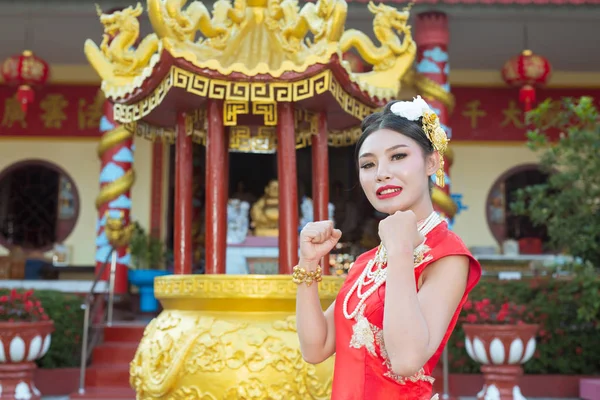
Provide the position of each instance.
(320, 177)
(288, 188)
(432, 37)
(183, 199)
(217, 188)
(116, 167)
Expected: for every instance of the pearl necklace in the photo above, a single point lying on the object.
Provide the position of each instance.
(378, 275)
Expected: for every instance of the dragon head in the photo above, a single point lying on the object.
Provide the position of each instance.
(115, 21)
(387, 15)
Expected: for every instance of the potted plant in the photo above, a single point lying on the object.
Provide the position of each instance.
(25, 333)
(501, 339)
(148, 258)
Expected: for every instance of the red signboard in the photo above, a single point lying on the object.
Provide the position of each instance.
(481, 114)
(494, 114)
(57, 111)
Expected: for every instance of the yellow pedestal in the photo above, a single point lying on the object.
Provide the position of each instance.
(228, 337)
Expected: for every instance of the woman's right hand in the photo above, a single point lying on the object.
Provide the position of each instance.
(316, 240)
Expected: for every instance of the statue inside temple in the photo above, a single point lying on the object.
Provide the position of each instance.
(237, 221)
(307, 212)
(265, 212)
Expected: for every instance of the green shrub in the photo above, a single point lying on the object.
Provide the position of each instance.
(66, 312)
(567, 205)
(568, 312)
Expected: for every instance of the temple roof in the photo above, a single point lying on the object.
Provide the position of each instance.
(257, 41)
(492, 2)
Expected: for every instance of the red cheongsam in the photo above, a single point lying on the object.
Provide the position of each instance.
(363, 371)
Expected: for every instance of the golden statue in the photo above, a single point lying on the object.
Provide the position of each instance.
(117, 58)
(117, 232)
(392, 60)
(265, 212)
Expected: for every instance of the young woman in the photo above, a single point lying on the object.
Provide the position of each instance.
(401, 300)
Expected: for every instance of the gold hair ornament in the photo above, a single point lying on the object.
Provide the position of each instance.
(418, 108)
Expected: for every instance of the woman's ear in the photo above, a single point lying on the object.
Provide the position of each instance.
(432, 163)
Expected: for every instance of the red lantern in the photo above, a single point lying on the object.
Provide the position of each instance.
(25, 71)
(527, 71)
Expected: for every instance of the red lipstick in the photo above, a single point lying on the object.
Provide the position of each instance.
(388, 191)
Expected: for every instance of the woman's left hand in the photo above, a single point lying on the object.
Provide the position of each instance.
(399, 231)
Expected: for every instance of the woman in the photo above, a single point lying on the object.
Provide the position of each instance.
(401, 300)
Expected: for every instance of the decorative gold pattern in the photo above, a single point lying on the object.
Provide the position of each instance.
(122, 67)
(439, 140)
(235, 91)
(237, 287)
(151, 132)
(268, 110)
(370, 337)
(218, 351)
(421, 254)
(231, 110)
(122, 185)
(252, 38)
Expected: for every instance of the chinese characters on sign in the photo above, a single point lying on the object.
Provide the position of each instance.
(59, 111)
(486, 114)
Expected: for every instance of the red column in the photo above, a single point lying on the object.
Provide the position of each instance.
(288, 188)
(320, 177)
(182, 243)
(156, 189)
(116, 179)
(217, 188)
(432, 38)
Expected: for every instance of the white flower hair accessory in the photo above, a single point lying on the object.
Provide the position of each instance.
(418, 108)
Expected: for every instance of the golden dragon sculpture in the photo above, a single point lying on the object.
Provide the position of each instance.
(393, 58)
(118, 56)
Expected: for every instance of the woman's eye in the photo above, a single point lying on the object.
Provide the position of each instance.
(367, 165)
(398, 156)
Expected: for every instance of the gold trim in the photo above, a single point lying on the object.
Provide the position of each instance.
(113, 138)
(238, 287)
(112, 190)
(116, 188)
(263, 92)
(267, 110)
(231, 110)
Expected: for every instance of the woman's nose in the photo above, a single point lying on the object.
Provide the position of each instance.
(382, 173)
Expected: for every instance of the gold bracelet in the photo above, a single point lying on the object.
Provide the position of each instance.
(300, 275)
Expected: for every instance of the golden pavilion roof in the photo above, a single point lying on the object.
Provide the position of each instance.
(252, 41)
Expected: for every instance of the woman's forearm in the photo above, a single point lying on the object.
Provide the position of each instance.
(310, 321)
(405, 330)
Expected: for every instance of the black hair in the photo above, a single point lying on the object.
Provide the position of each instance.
(386, 119)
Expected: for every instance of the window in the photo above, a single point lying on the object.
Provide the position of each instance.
(503, 224)
(39, 205)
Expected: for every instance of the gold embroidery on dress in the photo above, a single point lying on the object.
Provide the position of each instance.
(365, 334)
(419, 254)
(362, 333)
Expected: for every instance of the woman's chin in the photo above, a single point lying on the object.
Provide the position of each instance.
(389, 208)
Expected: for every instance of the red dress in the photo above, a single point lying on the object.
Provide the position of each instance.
(362, 370)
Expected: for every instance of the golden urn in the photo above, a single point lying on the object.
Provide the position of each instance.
(228, 337)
